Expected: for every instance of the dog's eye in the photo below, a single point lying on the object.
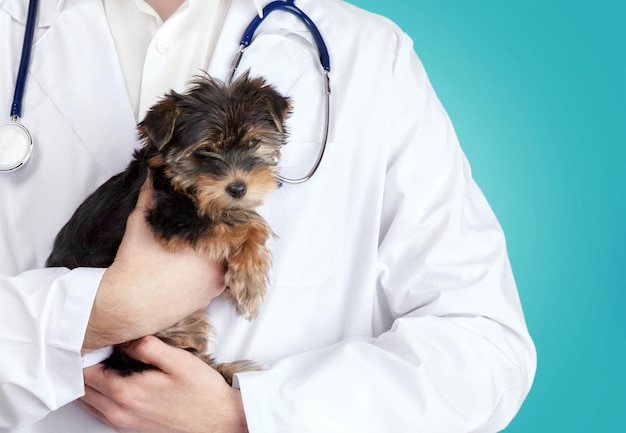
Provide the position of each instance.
(254, 142)
(205, 154)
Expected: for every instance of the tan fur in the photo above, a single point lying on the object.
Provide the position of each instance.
(240, 145)
(192, 334)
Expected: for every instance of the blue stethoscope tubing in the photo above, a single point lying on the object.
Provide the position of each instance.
(27, 47)
(324, 58)
(16, 144)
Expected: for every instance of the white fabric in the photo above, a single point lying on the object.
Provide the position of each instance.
(157, 56)
(392, 305)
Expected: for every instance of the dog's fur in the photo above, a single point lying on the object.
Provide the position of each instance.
(212, 153)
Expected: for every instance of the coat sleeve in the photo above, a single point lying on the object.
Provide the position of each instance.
(456, 355)
(44, 317)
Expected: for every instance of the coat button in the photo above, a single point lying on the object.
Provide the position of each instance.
(162, 47)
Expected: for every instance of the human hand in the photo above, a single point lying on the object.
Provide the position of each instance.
(181, 394)
(149, 288)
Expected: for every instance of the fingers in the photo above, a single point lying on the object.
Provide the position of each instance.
(146, 194)
(108, 410)
(112, 398)
(155, 352)
(99, 378)
(91, 400)
(193, 398)
(99, 386)
(145, 201)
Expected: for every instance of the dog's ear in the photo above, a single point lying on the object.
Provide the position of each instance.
(258, 91)
(158, 124)
(278, 106)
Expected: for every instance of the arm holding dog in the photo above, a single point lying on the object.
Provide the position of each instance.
(136, 294)
(144, 279)
(133, 297)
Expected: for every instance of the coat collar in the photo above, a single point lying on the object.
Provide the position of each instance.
(18, 10)
(259, 8)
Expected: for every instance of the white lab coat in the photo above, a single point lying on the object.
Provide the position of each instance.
(392, 305)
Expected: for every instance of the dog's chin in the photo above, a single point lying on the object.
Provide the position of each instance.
(226, 206)
(245, 204)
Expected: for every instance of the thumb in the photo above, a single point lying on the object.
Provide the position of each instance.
(146, 195)
(155, 352)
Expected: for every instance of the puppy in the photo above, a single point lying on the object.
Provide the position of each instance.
(212, 153)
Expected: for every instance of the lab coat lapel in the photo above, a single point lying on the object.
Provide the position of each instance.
(78, 77)
(47, 11)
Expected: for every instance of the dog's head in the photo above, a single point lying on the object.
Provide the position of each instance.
(219, 144)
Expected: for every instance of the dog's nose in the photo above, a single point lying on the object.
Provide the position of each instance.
(236, 189)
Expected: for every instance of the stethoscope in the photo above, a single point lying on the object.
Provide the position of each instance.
(246, 40)
(16, 144)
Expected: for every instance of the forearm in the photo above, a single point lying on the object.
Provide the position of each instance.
(233, 414)
(45, 314)
(448, 349)
(149, 287)
(425, 374)
(119, 314)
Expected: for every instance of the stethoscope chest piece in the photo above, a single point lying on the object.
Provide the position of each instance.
(16, 145)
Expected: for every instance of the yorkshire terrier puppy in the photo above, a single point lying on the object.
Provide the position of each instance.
(212, 154)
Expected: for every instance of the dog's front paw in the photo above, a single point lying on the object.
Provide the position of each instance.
(248, 268)
(246, 288)
(229, 369)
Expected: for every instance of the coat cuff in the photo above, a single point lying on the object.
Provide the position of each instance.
(252, 385)
(66, 340)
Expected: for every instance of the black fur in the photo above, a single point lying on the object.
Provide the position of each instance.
(209, 113)
(94, 233)
(91, 238)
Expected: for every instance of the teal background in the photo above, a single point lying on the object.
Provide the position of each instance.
(537, 93)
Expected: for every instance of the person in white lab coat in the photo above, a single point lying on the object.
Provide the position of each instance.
(392, 304)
